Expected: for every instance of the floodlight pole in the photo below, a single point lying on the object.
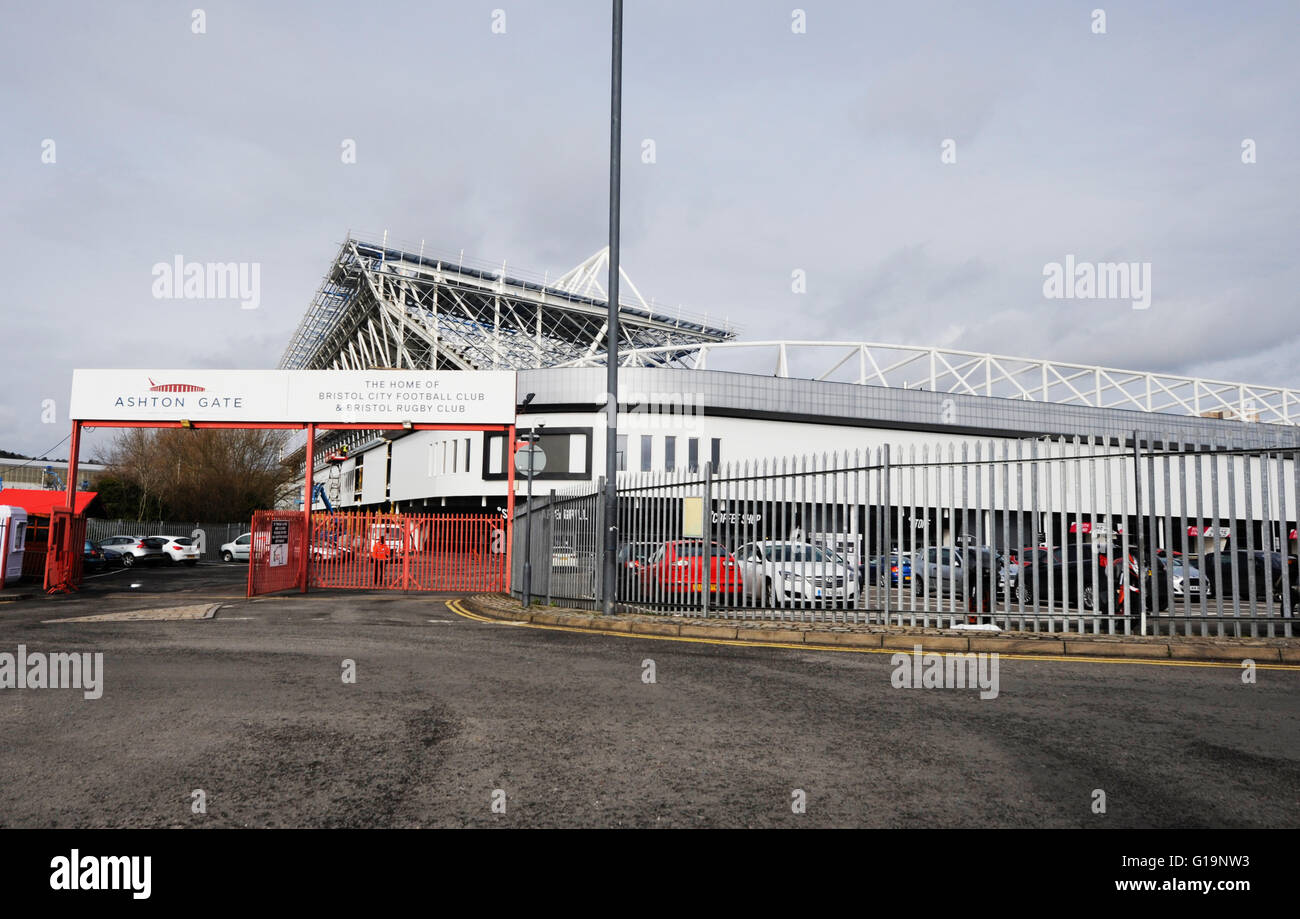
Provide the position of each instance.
(609, 582)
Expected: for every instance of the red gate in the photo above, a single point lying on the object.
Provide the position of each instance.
(65, 551)
(460, 552)
(275, 556)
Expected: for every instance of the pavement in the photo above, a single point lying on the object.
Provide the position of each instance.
(452, 712)
(1275, 652)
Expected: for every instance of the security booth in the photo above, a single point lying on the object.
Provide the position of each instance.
(13, 539)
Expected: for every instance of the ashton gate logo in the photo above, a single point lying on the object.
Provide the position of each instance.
(176, 395)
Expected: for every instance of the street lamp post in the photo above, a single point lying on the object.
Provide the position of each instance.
(530, 439)
(610, 580)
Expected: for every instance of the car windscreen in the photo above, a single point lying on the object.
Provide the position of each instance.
(796, 553)
(696, 550)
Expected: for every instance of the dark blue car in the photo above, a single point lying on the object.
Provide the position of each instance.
(895, 564)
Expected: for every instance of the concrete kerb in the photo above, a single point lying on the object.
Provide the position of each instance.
(1270, 651)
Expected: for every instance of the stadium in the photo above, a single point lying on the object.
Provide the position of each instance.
(692, 392)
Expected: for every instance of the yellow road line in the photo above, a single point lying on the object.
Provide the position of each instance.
(456, 607)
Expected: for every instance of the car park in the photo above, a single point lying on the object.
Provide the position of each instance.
(179, 549)
(788, 572)
(237, 549)
(135, 549)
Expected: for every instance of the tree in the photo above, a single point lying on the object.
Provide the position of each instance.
(203, 475)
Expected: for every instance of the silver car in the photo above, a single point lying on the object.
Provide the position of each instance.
(237, 549)
(135, 549)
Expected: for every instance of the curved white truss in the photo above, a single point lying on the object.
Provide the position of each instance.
(976, 374)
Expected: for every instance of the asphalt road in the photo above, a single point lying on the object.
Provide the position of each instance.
(250, 707)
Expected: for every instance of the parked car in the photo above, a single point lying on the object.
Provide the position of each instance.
(635, 554)
(93, 558)
(324, 551)
(135, 549)
(179, 549)
(677, 567)
(960, 572)
(898, 566)
(783, 573)
(237, 549)
(1083, 577)
(1188, 583)
(1217, 569)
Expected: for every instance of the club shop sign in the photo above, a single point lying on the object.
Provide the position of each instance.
(292, 396)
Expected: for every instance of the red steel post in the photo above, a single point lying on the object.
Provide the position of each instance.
(310, 461)
(510, 504)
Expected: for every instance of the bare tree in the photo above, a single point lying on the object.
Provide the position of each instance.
(204, 474)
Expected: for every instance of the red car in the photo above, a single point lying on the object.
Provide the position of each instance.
(678, 568)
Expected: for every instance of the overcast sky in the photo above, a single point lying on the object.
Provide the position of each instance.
(775, 151)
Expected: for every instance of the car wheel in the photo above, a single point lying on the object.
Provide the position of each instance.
(1024, 595)
(1089, 598)
(227, 556)
(128, 559)
(918, 586)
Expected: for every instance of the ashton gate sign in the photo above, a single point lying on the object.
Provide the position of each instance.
(296, 396)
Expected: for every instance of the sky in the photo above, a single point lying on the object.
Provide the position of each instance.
(484, 127)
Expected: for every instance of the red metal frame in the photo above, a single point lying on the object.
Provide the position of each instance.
(264, 578)
(309, 476)
(436, 552)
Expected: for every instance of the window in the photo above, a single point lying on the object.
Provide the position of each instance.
(466, 465)
(670, 453)
(693, 454)
(568, 453)
(621, 455)
(646, 446)
(578, 453)
(715, 452)
(455, 457)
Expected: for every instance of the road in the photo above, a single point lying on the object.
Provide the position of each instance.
(250, 708)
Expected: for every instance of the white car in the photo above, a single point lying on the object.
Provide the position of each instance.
(787, 572)
(238, 549)
(179, 549)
